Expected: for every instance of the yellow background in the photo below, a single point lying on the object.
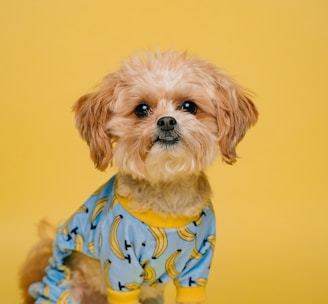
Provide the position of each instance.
(271, 206)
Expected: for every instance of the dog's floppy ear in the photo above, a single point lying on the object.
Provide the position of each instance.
(235, 114)
(92, 112)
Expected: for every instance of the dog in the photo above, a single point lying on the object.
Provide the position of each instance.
(162, 118)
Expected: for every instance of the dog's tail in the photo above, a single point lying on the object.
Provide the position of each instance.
(33, 269)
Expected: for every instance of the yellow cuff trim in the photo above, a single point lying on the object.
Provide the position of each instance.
(191, 294)
(123, 297)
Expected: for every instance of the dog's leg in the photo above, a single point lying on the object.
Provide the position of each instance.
(158, 300)
(151, 295)
(33, 268)
(86, 282)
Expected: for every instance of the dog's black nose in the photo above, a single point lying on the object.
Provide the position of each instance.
(166, 123)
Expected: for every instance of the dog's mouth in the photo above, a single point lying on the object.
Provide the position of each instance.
(168, 138)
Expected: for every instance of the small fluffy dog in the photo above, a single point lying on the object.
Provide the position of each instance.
(162, 118)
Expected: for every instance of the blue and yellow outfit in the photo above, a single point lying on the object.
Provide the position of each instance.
(134, 249)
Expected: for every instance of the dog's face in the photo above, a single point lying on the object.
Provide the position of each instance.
(164, 115)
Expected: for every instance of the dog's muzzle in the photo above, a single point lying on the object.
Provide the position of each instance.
(167, 133)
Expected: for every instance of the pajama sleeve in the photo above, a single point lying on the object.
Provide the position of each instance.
(192, 280)
(123, 273)
(54, 287)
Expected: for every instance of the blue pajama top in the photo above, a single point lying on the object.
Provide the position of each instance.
(134, 249)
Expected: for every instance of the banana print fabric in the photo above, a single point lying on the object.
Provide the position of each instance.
(134, 249)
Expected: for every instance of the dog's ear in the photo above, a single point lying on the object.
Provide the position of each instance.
(92, 112)
(235, 114)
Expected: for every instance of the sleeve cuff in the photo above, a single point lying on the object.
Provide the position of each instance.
(190, 294)
(123, 297)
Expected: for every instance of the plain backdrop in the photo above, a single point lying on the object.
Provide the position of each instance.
(271, 205)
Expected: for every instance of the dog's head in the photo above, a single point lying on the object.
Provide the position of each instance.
(164, 114)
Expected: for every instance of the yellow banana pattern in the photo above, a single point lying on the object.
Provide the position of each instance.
(211, 239)
(156, 283)
(170, 265)
(185, 234)
(149, 272)
(46, 291)
(91, 246)
(195, 253)
(100, 205)
(161, 241)
(177, 283)
(79, 242)
(67, 272)
(82, 209)
(114, 244)
(106, 271)
(114, 203)
(201, 282)
(63, 298)
(132, 286)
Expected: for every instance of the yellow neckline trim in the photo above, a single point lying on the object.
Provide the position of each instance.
(154, 219)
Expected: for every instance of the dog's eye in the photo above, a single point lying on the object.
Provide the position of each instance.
(142, 110)
(189, 106)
